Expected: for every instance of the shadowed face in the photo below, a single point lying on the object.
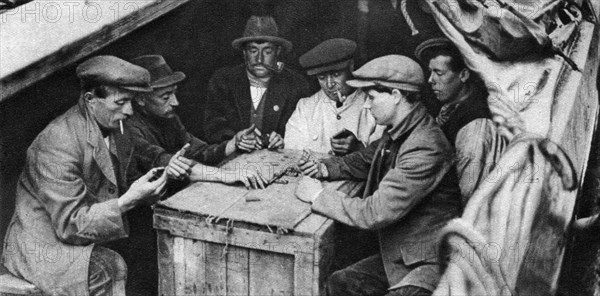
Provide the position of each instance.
(445, 83)
(333, 81)
(108, 111)
(382, 105)
(161, 102)
(257, 55)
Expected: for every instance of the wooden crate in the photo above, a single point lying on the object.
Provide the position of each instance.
(232, 257)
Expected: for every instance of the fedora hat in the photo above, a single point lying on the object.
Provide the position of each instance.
(161, 75)
(261, 28)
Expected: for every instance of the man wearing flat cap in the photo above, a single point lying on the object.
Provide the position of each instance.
(465, 117)
(411, 191)
(332, 120)
(259, 92)
(72, 194)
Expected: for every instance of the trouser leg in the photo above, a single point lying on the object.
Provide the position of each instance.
(366, 277)
(107, 272)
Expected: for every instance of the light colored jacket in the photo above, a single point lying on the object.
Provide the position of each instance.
(66, 201)
(316, 119)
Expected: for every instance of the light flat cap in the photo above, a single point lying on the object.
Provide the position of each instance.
(161, 75)
(113, 71)
(423, 49)
(332, 54)
(393, 71)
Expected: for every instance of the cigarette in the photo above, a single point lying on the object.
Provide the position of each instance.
(340, 97)
(121, 125)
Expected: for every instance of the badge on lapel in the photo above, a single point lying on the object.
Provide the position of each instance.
(276, 108)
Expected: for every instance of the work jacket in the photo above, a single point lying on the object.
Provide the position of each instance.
(411, 193)
(317, 119)
(66, 201)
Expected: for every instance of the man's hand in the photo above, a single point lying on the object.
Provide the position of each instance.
(251, 178)
(247, 140)
(344, 145)
(143, 190)
(313, 168)
(180, 167)
(308, 189)
(275, 141)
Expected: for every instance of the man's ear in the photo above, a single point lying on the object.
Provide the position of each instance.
(351, 66)
(89, 97)
(278, 50)
(140, 100)
(397, 96)
(465, 74)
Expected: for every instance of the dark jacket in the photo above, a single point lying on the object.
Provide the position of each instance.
(157, 139)
(411, 192)
(229, 104)
(66, 201)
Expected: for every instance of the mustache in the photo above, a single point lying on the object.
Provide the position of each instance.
(278, 68)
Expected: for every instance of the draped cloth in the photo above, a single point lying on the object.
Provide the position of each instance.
(482, 252)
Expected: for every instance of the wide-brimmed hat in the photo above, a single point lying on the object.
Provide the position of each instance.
(392, 71)
(332, 54)
(113, 71)
(161, 75)
(261, 28)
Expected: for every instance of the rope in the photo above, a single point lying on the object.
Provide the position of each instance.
(409, 21)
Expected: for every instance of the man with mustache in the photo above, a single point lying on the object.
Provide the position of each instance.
(465, 116)
(332, 120)
(258, 92)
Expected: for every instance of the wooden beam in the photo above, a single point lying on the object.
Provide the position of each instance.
(42, 37)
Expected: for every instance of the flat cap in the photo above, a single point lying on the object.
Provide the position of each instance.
(393, 71)
(431, 44)
(113, 71)
(332, 54)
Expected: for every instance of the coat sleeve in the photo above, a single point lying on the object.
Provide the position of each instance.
(54, 171)
(296, 129)
(209, 154)
(355, 165)
(417, 173)
(478, 148)
(217, 126)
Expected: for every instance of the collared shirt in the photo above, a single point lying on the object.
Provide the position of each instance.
(316, 119)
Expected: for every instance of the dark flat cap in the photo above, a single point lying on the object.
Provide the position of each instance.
(332, 54)
(262, 28)
(393, 71)
(161, 75)
(431, 44)
(113, 71)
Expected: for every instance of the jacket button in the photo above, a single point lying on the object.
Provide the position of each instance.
(315, 138)
(111, 190)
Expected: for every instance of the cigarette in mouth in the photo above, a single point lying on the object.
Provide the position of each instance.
(121, 126)
(340, 97)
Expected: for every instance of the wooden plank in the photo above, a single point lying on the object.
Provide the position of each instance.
(103, 22)
(166, 284)
(200, 250)
(198, 229)
(191, 265)
(303, 273)
(238, 260)
(179, 264)
(216, 270)
(271, 273)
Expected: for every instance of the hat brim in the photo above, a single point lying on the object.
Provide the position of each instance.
(135, 88)
(337, 66)
(359, 83)
(169, 80)
(239, 43)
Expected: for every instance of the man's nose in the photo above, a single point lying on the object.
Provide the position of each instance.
(330, 81)
(430, 79)
(261, 57)
(173, 101)
(127, 109)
